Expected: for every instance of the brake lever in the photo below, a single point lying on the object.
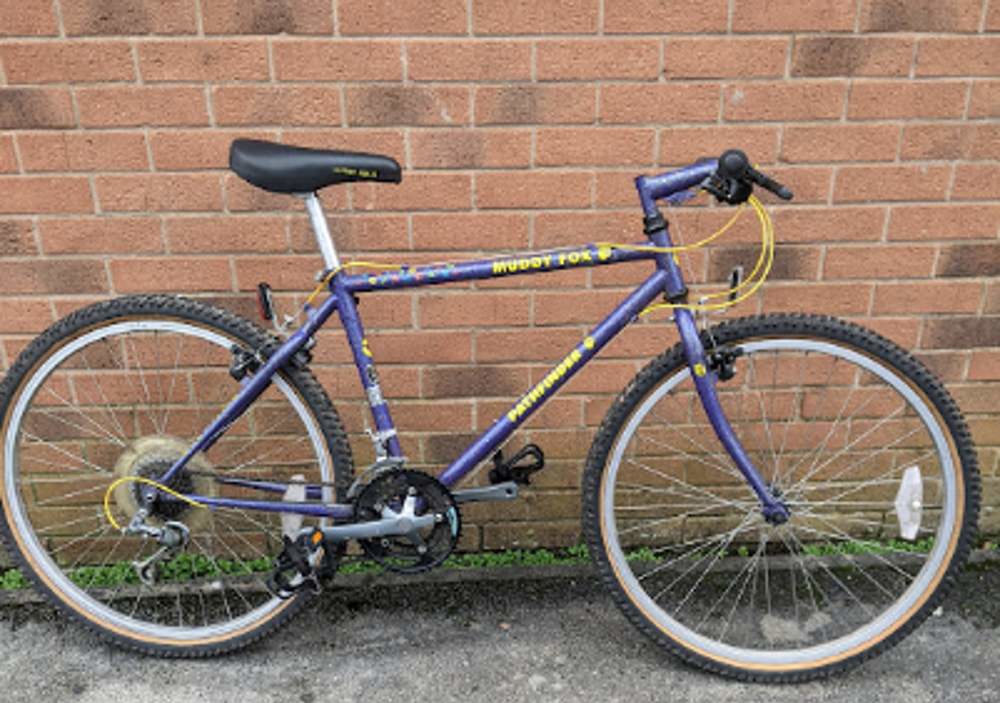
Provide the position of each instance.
(769, 184)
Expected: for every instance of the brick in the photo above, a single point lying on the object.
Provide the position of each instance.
(970, 260)
(83, 151)
(549, 345)
(203, 60)
(817, 298)
(267, 17)
(683, 145)
(533, 189)
(8, 160)
(32, 195)
(985, 99)
(28, 18)
(585, 59)
(287, 272)
(535, 17)
(927, 297)
(159, 192)
(406, 105)
(839, 224)
(470, 148)
(867, 183)
(331, 60)
(402, 17)
(426, 346)
(810, 184)
(887, 100)
(226, 234)
(26, 315)
(553, 230)
(67, 61)
(961, 333)
(535, 104)
(129, 17)
(936, 141)
(919, 16)
(470, 231)
(615, 189)
(17, 238)
(418, 191)
(35, 108)
(950, 56)
(53, 276)
(724, 58)
(928, 222)
(659, 103)
(468, 61)
(984, 366)
(135, 275)
(605, 146)
(984, 142)
(976, 182)
(800, 100)
(137, 106)
(529, 535)
(852, 56)
(656, 16)
(474, 309)
(105, 235)
(851, 142)
(804, 16)
(276, 105)
(182, 150)
(878, 261)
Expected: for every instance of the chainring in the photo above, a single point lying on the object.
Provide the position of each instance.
(409, 554)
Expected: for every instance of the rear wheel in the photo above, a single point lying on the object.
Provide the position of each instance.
(121, 389)
(859, 440)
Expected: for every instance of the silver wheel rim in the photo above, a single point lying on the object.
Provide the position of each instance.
(66, 589)
(827, 650)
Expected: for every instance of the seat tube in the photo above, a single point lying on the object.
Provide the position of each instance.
(386, 440)
(705, 379)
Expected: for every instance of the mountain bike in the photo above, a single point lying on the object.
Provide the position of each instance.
(777, 497)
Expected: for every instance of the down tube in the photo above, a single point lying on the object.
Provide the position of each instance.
(565, 370)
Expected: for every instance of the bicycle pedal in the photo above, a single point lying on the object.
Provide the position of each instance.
(528, 460)
(294, 567)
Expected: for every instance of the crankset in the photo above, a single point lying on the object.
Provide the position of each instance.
(403, 495)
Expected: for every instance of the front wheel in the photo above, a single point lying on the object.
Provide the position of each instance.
(861, 443)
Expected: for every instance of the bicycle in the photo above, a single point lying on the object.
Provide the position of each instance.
(777, 497)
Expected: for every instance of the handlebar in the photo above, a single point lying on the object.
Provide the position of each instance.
(730, 178)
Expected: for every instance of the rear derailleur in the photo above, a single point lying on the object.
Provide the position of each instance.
(172, 537)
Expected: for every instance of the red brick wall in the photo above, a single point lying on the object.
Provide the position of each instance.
(520, 124)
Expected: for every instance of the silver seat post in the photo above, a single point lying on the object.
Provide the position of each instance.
(321, 231)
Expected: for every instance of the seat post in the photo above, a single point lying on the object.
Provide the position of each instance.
(321, 231)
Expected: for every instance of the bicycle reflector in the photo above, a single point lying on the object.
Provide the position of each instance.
(909, 503)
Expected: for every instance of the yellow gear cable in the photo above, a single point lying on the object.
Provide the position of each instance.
(767, 252)
(148, 481)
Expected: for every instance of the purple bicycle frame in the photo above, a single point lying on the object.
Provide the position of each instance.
(665, 280)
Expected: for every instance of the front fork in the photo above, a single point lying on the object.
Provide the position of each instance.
(705, 378)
